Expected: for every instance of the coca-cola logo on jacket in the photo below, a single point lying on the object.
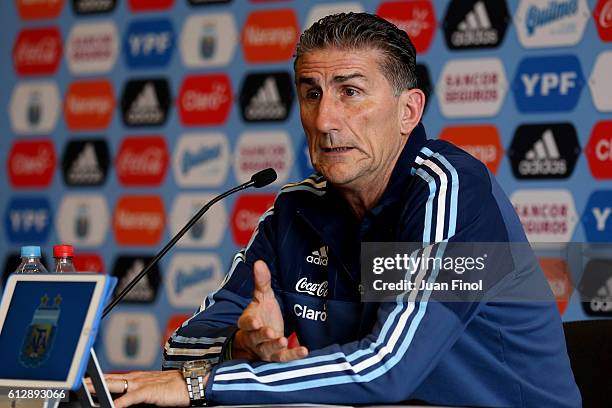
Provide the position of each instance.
(37, 51)
(142, 161)
(31, 163)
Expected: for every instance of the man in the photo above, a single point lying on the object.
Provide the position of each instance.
(378, 179)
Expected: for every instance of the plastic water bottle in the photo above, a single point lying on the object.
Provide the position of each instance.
(30, 261)
(62, 254)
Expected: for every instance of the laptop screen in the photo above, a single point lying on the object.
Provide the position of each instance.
(42, 328)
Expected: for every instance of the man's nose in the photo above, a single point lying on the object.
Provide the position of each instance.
(328, 115)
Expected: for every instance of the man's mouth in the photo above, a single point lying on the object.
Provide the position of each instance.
(337, 149)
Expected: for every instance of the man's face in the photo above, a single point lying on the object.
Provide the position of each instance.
(350, 115)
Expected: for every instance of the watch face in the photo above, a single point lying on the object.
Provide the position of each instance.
(196, 368)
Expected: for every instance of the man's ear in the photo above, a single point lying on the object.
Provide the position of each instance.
(412, 103)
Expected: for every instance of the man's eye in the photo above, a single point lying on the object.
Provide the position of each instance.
(313, 94)
(351, 92)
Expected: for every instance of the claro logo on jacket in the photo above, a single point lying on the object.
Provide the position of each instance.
(139, 220)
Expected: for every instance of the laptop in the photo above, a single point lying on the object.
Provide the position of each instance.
(48, 324)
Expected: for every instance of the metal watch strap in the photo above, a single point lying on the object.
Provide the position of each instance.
(195, 388)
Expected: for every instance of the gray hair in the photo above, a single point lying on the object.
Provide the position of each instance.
(355, 31)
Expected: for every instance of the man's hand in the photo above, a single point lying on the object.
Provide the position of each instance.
(260, 334)
(161, 388)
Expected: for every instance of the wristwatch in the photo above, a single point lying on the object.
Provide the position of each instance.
(194, 373)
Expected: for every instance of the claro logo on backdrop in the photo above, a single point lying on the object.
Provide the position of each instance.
(599, 150)
(417, 18)
(245, 215)
(31, 163)
(205, 100)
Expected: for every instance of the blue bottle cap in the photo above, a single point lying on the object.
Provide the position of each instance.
(29, 251)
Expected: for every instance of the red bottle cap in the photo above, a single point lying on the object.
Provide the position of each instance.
(60, 251)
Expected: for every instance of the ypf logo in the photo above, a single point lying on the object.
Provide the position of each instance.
(92, 48)
(126, 268)
(93, 6)
(37, 51)
(475, 24)
(148, 43)
(191, 277)
(548, 216)
(559, 279)
(208, 231)
(600, 84)
(472, 87)
(248, 208)
(83, 219)
(548, 84)
(205, 100)
(602, 14)
(145, 102)
(270, 35)
(132, 339)
(142, 161)
(551, 23)
(209, 40)
(31, 164)
(544, 151)
(256, 151)
(596, 219)
(39, 9)
(596, 288)
(416, 18)
(201, 160)
(482, 142)
(85, 162)
(27, 219)
(599, 150)
(89, 105)
(149, 5)
(139, 220)
(266, 97)
(34, 107)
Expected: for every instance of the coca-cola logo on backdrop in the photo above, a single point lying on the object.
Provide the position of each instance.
(142, 161)
(37, 51)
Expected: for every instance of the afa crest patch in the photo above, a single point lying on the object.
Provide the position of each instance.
(40, 334)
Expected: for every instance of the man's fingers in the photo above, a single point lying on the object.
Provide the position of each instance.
(265, 334)
(263, 278)
(288, 354)
(267, 349)
(131, 398)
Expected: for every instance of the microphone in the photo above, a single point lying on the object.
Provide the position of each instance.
(260, 179)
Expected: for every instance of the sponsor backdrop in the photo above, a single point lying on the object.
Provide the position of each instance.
(122, 117)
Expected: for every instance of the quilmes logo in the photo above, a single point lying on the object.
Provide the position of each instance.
(126, 268)
(208, 231)
(201, 160)
(558, 277)
(312, 288)
(132, 339)
(142, 161)
(416, 18)
(83, 219)
(34, 107)
(543, 151)
(551, 23)
(149, 43)
(27, 219)
(31, 163)
(603, 19)
(37, 51)
(482, 142)
(256, 151)
(548, 216)
(89, 105)
(39, 9)
(93, 6)
(601, 87)
(318, 257)
(205, 100)
(475, 24)
(85, 162)
(472, 87)
(270, 35)
(266, 97)
(596, 288)
(248, 208)
(191, 277)
(145, 102)
(599, 150)
(209, 40)
(596, 219)
(139, 220)
(92, 48)
(548, 84)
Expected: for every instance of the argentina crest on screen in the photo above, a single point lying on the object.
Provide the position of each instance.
(40, 334)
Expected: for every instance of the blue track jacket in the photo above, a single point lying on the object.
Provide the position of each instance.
(509, 354)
